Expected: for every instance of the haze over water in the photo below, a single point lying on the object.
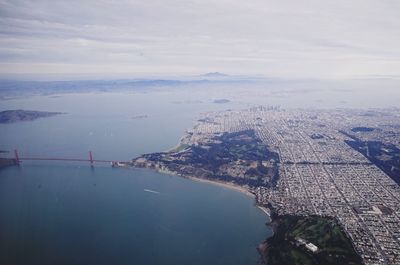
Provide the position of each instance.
(292, 54)
(68, 213)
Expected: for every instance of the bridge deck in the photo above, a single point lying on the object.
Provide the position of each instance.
(65, 159)
(90, 159)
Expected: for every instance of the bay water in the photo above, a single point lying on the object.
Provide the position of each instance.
(70, 213)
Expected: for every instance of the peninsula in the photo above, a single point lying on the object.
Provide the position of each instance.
(239, 158)
(302, 166)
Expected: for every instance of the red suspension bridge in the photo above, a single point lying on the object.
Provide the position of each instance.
(18, 159)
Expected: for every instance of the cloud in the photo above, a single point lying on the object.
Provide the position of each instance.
(282, 38)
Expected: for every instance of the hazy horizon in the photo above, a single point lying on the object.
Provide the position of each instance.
(200, 132)
(277, 39)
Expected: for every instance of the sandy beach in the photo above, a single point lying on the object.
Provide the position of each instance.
(214, 182)
(224, 184)
(234, 187)
(265, 210)
(219, 183)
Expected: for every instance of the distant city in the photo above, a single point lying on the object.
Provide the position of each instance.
(196, 132)
(343, 164)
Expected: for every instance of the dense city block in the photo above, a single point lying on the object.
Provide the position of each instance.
(340, 164)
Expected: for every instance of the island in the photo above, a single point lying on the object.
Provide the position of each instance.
(323, 176)
(12, 116)
(221, 101)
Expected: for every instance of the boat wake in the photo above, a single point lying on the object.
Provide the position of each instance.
(151, 191)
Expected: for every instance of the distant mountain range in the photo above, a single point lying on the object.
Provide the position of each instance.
(16, 88)
(215, 74)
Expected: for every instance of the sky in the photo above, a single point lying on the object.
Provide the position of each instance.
(276, 38)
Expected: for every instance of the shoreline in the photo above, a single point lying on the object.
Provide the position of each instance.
(177, 145)
(263, 247)
(238, 188)
(224, 184)
(227, 185)
(265, 210)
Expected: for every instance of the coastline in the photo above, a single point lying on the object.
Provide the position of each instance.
(262, 248)
(278, 224)
(177, 145)
(265, 210)
(218, 183)
(224, 184)
(213, 182)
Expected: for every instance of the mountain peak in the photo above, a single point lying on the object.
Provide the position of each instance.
(215, 74)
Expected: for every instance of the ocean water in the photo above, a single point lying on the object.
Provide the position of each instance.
(70, 213)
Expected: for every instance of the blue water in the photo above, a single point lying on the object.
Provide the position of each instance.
(69, 213)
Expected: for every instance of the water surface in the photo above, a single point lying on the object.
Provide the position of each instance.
(69, 213)
(54, 214)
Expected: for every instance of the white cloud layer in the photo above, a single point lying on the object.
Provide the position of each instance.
(282, 38)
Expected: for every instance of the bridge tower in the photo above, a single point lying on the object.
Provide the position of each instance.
(17, 161)
(91, 158)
